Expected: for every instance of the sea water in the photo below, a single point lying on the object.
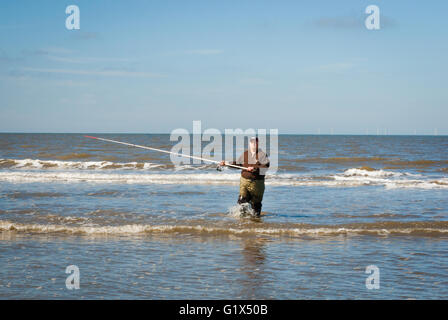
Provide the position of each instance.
(138, 227)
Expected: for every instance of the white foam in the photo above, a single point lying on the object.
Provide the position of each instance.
(241, 211)
(153, 178)
(17, 176)
(236, 230)
(84, 165)
(389, 179)
(421, 184)
(359, 172)
(22, 171)
(356, 172)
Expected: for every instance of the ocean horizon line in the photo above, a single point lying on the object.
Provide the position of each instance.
(280, 134)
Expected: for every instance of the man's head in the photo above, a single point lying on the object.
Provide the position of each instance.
(253, 144)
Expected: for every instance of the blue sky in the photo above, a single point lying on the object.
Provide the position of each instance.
(153, 66)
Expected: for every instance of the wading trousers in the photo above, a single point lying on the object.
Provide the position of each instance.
(251, 191)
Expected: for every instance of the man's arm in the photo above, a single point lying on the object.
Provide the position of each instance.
(263, 161)
(238, 162)
(262, 164)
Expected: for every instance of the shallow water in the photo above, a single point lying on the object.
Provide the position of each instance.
(138, 227)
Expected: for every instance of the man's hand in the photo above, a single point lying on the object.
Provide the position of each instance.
(250, 169)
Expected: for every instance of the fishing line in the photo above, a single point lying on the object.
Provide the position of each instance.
(169, 152)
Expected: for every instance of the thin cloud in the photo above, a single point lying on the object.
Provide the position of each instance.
(339, 22)
(336, 67)
(388, 22)
(68, 56)
(351, 22)
(46, 51)
(85, 59)
(81, 35)
(3, 55)
(70, 83)
(15, 26)
(254, 81)
(106, 73)
(22, 77)
(7, 58)
(204, 51)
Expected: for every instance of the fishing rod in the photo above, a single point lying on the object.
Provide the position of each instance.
(164, 151)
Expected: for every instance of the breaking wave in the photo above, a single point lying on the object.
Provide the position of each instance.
(393, 162)
(390, 179)
(437, 229)
(84, 165)
(34, 170)
(220, 179)
(130, 178)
